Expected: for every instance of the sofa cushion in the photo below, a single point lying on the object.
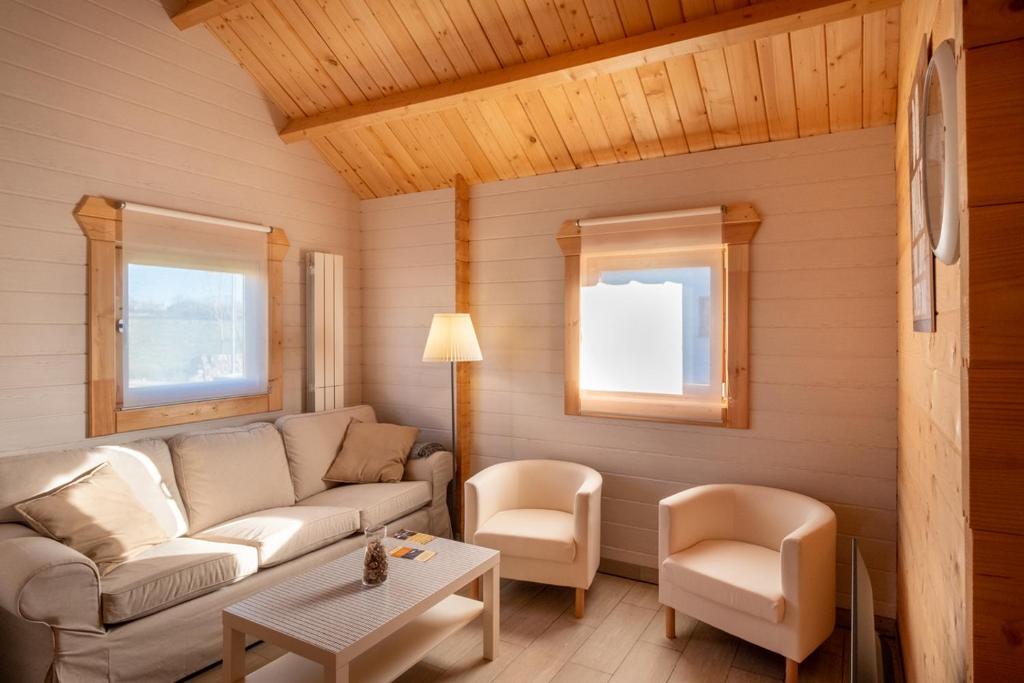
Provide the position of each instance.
(311, 442)
(376, 503)
(225, 473)
(98, 515)
(171, 573)
(530, 533)
(372, 452)
(145, 465)
(280, 534)
(743, 576)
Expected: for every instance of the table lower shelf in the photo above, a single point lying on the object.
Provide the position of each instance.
(388, 659)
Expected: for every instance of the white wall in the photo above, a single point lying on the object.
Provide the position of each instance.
(107, 97)
(823, 337)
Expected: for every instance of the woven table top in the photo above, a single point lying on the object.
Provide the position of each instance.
(330, 608)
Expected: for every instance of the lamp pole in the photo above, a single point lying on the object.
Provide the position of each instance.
(453, 506)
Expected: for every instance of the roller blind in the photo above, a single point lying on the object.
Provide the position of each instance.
(194, 311)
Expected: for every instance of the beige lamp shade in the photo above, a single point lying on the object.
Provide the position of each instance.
(451, 339)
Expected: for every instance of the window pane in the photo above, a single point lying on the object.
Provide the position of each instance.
(631, 338)
(187, 328)
(647, 331)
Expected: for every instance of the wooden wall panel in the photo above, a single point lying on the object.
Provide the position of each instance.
(933, 593)
(823, 363)
(994, 61)
(995, 127)
(154, 116)
(408, 256)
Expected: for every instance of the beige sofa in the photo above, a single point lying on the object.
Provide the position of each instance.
(243, 508)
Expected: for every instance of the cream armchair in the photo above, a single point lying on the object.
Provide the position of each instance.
(545, 518)
(757, 562)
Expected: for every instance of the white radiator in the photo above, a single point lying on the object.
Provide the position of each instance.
(325, 332)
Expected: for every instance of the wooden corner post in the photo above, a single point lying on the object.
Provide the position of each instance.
(463, 371)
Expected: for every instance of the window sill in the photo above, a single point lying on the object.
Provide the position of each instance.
(184, 413)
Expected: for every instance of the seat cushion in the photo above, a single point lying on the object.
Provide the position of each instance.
(171, 573)
(225, 473)
(743, 576)
(376, 503)
(280, 534)
(535, 534)
(312, 441)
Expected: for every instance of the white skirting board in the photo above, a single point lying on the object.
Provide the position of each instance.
(325, 332)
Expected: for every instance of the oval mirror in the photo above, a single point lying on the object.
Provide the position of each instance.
(941, 162)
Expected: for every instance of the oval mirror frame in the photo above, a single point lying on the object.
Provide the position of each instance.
(942, 70)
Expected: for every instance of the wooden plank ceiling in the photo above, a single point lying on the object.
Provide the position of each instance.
(317, 56)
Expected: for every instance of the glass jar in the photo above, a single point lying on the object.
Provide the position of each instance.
(375, 561)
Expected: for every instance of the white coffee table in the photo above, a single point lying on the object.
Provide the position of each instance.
(338, 630)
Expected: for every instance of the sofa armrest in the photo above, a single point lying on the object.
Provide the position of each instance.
(46, 581)
(436, 469)
(691, 516)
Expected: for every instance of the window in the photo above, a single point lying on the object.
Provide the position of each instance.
(648, 305)
(644, 332)
(185, 318)
(194, 313)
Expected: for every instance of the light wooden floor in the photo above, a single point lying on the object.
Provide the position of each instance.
(621, 639)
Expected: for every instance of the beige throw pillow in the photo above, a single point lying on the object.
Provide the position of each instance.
(311, 442)
(96, 514)
(372, 453)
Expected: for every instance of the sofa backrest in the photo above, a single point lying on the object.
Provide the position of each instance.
(145, 465)
(311, 442)
(225, 473)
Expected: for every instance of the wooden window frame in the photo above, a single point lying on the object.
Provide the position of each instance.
(739, 225)
(101, 222)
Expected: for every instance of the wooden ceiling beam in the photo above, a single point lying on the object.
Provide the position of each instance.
(742, 25)
(198, 11)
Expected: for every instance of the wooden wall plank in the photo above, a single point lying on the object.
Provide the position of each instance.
(748, 97)
(987, 22)
(995, 130)
(843, 49)
(775, 61)
(718, 98)
(810, 80)
(660, 97)
(881, 66)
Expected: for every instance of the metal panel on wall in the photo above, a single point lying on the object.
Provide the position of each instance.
(325, 332)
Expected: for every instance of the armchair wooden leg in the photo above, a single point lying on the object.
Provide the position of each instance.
(670, 622)
(474, 590)
(580, 593)
(790, 671)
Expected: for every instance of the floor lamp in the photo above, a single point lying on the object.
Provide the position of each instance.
(452, 340)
